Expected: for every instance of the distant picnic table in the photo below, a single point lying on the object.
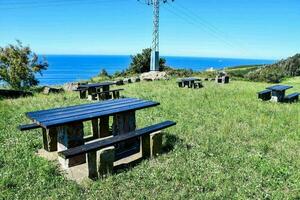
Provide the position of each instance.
(94, 88)
(190, 82)
(63, 129)
(276, 93)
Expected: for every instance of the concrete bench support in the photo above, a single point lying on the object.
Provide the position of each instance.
(101, 163)
(151, 144)
(69, 136)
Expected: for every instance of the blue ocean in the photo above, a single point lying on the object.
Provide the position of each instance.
(68, 68)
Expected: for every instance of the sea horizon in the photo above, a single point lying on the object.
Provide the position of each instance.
(65, 68)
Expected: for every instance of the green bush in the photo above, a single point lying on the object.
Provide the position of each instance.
(141, 62)
(18, 65)
(278, 71)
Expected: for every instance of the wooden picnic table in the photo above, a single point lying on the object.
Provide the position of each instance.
(189, 81)
(93, 88)
(278, 92)
(63, 127)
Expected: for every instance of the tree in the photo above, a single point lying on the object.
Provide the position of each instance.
(18, 66)
(141, 62)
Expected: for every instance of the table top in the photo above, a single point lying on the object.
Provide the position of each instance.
(79, 113)
(190, 79)
(91, 85)
(279, 87)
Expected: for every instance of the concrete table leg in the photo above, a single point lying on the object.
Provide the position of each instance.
(95, 128)
(122, 124)
(105, 89)
(50, 139)
(278, 96)
(104, 127)
(71, 135)
(92, 94)
(82, 94)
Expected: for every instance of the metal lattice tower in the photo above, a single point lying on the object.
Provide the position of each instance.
(154, 65)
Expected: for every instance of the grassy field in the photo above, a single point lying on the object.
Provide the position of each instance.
(227, 144)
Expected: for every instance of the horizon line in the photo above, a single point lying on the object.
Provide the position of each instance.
(179, 56)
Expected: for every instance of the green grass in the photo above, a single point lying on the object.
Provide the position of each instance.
(227, 144)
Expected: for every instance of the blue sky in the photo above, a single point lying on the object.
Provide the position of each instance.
(205, 28)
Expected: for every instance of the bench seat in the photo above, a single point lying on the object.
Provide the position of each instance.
(292, 97)
(97, 145)
(101, 152)
(265, 95)
(27, 127)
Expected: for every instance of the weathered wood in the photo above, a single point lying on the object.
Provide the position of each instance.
(101, 163)
(122, 124)
(50, 139)
(151, 144)
(69, 136)
(97, 145)
(107, 94)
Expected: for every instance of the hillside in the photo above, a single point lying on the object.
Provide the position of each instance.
(227, 144)
(274, 73)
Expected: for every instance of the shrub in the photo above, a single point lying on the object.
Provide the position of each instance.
(141, 62)
(18, 65)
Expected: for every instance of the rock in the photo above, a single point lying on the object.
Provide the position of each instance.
(119, 82)
(127, 80)
(154, 75)
(135, 79)
(48, 90)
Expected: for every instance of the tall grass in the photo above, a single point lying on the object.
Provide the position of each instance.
(226, 144)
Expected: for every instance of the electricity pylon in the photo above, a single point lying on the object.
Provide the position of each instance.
(154, 63)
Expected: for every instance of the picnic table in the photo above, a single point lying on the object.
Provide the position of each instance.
(278, 92)
(190, 82)
(93, 88)
(63, 128)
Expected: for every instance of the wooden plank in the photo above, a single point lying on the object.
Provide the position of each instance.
(76, 107)
(94, 85)
(84, 111)
(98, 114)
(279, 88)
(27, 127)
(97, 145)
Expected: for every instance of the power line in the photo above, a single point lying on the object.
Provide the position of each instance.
(154, 63)
(192, 18)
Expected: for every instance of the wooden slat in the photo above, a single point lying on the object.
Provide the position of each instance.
(61, 115)
(279, 87)
(98, 114)
(65, 109)
(93, 85)
(94, 146)
(79, 111)
(28, 127)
